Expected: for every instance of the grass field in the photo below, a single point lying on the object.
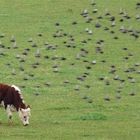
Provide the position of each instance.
(77, 63)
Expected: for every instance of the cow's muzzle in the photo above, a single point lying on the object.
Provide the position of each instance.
(26, 124)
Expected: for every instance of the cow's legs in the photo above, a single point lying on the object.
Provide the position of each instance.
(9, 113)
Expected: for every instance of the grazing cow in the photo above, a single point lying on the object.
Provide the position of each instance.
(12, 100)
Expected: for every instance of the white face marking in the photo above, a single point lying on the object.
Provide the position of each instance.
(24, 115)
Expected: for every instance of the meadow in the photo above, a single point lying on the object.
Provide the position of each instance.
(77, 64)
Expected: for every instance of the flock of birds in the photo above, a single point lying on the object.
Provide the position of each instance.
(45, 55)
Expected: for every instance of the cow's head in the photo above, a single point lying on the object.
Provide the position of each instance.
(24, 115)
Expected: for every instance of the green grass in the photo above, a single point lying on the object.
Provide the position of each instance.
(60, 112)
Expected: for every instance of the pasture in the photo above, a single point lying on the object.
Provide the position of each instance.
(77, 64)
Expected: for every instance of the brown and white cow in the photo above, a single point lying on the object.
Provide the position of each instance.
(12, 99)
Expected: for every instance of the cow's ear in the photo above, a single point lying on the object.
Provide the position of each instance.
(28, 106)
(22, 110)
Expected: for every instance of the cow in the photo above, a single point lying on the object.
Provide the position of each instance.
(12, 100)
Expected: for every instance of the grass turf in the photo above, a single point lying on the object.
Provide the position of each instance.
(63, 107)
